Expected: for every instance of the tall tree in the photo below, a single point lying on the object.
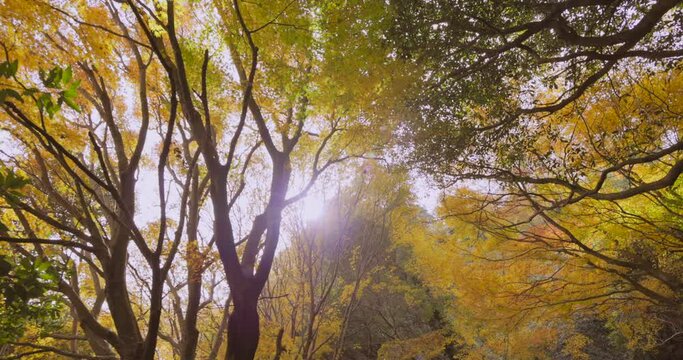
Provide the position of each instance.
(557, 119)
(250, 95)
(540, 245)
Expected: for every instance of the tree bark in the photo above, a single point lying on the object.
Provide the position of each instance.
(279, 349)
(190, 334)
(243, 327)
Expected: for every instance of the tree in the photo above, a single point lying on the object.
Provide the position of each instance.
(341, 289)
(559, 121)
(251, 93)
(154, 154)
(490, 66)
(300, 297)
(541, 244)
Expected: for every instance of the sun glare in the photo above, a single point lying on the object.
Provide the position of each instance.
(313, 207)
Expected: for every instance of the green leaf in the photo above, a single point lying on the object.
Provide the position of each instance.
(45, 103)
(72, 104)
(69, 93)
(12, 181)
(53, 77)
(14, 67)
(9, 69)
(30, 91)
(52, 109)
(75, 84)
(9, 93)
(42, 265)
(66, 75)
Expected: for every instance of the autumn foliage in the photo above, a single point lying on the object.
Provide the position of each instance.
(362, 179)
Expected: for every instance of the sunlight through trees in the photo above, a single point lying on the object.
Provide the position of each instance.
(361, 179)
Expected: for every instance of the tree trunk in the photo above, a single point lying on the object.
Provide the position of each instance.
(279, 349)
(190, 334)
(243, 329)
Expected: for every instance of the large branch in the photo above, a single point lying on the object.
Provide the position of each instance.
(65, 243)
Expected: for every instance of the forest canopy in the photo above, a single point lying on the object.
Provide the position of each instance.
(358, 179)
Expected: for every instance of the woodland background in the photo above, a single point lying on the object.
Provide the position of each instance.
(358, 179)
